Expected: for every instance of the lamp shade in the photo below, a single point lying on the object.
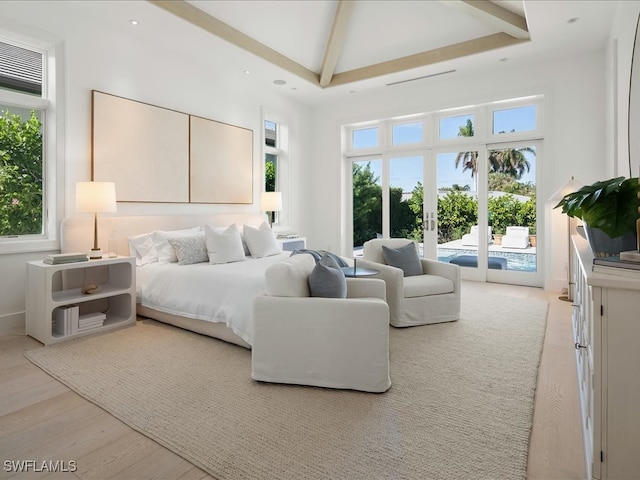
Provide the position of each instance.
(95, 197)
(271, 201)
(566, 188)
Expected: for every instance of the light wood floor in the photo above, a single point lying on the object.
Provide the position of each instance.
(41, 419)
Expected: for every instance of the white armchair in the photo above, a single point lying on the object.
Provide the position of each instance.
(325, 342)
(432, 297)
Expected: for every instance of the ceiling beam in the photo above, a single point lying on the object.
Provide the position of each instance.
(209, 23)
(493, 15)
(430, 57)
(336, 40)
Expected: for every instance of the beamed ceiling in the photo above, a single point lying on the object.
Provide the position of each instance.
(331, 43)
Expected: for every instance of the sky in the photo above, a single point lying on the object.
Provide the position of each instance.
(407, 171)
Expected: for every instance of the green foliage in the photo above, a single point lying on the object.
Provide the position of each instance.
(270, 177)
(20, 175)
(367, 204)
(503, 182)
(610, 205)
(506, 211)
(457, 213)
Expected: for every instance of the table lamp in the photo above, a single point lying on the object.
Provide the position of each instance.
(95, 197)
(271, 202)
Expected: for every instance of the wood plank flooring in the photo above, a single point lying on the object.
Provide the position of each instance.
(41, 419)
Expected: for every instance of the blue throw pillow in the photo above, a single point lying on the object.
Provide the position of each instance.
(405, 258)
(327, 279)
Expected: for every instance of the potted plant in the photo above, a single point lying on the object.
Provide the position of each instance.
(609, 210)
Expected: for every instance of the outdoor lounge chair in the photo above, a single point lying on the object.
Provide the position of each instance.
(471, 238)
(516, 237)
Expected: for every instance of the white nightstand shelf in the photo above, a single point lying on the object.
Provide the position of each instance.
(291, 244)
(55, 287)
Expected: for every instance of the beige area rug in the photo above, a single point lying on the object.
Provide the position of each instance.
(460, 406)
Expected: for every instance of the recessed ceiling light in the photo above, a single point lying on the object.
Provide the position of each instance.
(279, 82)
(573, 20)
(133, 22)
(504, 59)
(247, 72)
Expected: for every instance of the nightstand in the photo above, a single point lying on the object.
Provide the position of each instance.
(54, 291)
(291, 244)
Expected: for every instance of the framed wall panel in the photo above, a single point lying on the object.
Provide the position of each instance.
(144, 149)
(221, 162)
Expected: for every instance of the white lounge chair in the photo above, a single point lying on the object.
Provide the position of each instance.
(471, 238)
(516, 237)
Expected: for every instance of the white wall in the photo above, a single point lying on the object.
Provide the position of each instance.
(119, 61)
(574, 142)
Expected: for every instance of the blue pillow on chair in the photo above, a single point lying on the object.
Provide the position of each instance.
(405, 258)
(327, 279)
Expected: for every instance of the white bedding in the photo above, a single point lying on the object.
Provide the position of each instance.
(215, 293)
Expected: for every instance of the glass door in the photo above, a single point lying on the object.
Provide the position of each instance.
(366, 201)
(512, 213)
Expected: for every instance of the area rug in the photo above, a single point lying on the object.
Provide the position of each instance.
(460, 406)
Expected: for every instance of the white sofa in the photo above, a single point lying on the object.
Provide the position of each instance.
(325, 342)
(516, 237)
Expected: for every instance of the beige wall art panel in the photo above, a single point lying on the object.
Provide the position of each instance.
(221, 162)
(144, 149)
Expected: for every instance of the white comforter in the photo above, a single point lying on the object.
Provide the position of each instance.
(215, 293)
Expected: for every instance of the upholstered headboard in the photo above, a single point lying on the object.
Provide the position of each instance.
(76, 233)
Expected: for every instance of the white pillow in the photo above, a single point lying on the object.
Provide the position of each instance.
(225, 246)
(289, 278)
(261, 241)
(142, 247)
(190, 250)
(166, 253)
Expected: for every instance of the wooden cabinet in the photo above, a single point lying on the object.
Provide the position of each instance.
(52, 288)
(606, 324)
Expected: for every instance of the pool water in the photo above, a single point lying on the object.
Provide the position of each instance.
(523, 262)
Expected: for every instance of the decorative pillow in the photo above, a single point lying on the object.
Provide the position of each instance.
(225, 246)
(289, 278)
(190, 250)
(166, 254)
(327, 279)
(142, 247)
(405, 258)
(261, 241)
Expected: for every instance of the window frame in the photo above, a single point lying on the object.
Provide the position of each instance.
(52, 136)
(281, 152)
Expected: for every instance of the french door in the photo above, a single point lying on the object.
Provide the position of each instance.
(456, 205)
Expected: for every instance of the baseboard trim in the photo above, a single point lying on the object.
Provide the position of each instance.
(13, 324)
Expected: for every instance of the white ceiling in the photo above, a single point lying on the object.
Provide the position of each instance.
(376, 32)
(288, 39)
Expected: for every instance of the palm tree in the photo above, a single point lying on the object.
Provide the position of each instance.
(510, 161)
(468, 160)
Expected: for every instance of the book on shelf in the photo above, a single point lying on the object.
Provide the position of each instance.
(91, 320)
(625, 272)
(60, 258)
(65, 321)
(630, 256)
(616, 262)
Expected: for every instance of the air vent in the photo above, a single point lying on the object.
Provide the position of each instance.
(419, 78)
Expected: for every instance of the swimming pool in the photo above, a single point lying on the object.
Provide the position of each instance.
(523, 262)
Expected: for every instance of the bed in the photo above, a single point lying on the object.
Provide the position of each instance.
(214, 300)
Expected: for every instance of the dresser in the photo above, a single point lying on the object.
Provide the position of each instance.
(606, 325)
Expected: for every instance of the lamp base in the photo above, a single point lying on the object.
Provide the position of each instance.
(95, 254)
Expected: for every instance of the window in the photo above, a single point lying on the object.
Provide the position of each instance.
(460, 126)
(406, 133)
(276, 159)
(28, 207)
(510, 120)
(365, 138)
